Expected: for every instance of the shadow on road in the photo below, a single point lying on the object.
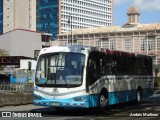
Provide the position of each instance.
(114, 110)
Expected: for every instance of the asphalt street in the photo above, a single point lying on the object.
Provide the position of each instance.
(149, 109)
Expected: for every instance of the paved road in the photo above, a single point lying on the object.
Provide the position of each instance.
(149, 107)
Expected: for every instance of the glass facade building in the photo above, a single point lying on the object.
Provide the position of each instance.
(1, 17)
(47, 16)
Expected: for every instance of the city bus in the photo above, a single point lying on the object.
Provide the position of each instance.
(89, 77)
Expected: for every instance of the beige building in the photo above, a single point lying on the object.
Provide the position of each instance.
(19, 14)
(131, 37)
(22, 42)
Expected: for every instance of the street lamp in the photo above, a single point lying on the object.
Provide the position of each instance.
(70, 23)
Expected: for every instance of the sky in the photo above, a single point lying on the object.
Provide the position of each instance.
(149, 11)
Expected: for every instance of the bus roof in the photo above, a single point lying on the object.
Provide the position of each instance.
(87, 49)
(69, 48)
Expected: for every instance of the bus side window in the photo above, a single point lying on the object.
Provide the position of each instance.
(101, 67)
(107, 69)
(92, 71)
(149, 66)
(136, 66)
(94, 67)
(114, 65)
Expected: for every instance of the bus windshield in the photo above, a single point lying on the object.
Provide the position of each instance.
(60, 70)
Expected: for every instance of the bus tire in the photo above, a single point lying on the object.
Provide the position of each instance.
(103, 101)
(138, 96)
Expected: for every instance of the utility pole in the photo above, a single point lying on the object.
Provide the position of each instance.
(70, 23)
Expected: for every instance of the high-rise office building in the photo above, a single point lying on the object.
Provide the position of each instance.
(58, 16)
(17, 14)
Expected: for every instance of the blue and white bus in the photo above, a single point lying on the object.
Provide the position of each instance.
(87, 77)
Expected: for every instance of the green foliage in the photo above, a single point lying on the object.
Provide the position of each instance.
(156, 84)
(3, 52)
(1, 68)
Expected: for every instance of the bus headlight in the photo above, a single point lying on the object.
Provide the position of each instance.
(79, 98)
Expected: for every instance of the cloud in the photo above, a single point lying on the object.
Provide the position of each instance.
(148, 5)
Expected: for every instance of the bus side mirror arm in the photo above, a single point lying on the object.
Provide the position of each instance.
(87, 88)
(87, 83)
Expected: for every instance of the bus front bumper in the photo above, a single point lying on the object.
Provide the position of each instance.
(61, 103)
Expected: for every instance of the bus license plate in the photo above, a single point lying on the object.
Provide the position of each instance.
(54, 104)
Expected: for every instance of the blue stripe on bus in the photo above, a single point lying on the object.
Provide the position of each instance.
(92, 100)
(61, 102)
(121, 96)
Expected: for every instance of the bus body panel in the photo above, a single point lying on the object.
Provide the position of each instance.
(123, 88)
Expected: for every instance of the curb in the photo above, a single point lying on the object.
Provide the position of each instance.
(7, 99)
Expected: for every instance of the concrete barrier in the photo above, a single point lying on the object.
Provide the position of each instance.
(15, 99)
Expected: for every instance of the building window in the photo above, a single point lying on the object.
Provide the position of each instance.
(158, 43)
(36, 53)
(98, 44)
(158, 59)
(151, 42)
(128, 45)
(133, 18)
(80, 43)
(105, 43)
(143, 44)
(113, 44)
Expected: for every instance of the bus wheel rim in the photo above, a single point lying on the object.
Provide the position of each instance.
(138, 96)
(102, 101)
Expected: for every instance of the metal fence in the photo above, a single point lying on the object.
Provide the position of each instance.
(15, 88)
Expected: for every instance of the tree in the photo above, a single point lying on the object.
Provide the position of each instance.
(3, 52)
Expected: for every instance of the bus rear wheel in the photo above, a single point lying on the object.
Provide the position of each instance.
(103, 101)
(138, 96)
